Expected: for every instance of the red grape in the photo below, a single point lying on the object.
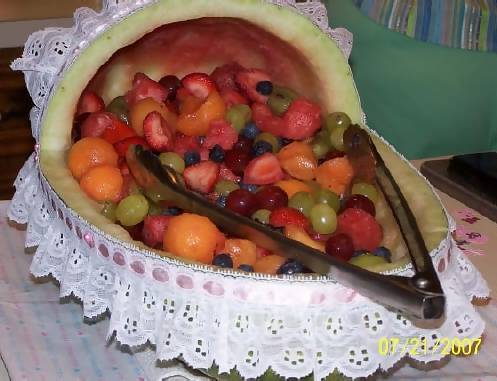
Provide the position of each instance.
(361, 202)
(340, 246)
(172, 84)
(271, 197)
(243, 144)
(236, 160)
(241, 201)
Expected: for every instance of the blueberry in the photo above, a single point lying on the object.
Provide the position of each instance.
(285, 141)
(246, 268)
(217, 154)
(221, 201)
(191, 158)
(250, 131)
(358, 253)
(261, 147)
(223, 260)
(383, 252)
(250, 187)
(264, 87)
(172, 211)
(291, 267)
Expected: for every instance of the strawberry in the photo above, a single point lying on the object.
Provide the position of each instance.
(222, 133)
(202, 177)
(247, 80)
(224, 76)
(96, 123)
(232, 97)
(263, 170)
(182, 93)
(89, 102)
(284, 216)
(226, 174)
(144, 87)
(153, 230)
(266, 121)
(302, 119)
(366, 233)
(199, 84)
(183, 143)
(118, 131)
(122, 146)
(158, 134)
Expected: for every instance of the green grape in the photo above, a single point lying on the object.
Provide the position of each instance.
(109, 210)
(225, 187)
(154, 209)
(173, 160)
(321, 144)
(367, 260)
(280, 99)
(262, 216)
(336, 138)
(302, 201)
(365, 189)
(325, 196)
(336, 119)
(119, 107)
(238, 116)
(132, 210)
(271, 139)
(323, 219)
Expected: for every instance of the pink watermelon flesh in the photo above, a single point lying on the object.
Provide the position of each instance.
(203, 44)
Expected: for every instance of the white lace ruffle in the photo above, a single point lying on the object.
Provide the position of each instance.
(247, 322)
(251, 322)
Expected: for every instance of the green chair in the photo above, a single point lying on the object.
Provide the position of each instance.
(426, 99)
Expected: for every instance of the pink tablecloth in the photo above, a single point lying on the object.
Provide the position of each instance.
(43, 338)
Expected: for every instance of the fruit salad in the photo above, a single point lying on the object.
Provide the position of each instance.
(244, 142)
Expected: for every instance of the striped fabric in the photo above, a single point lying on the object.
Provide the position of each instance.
(466, 24)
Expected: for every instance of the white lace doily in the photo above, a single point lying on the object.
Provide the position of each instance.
(251, 322)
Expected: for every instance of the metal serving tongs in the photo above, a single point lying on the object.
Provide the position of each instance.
(419, 297)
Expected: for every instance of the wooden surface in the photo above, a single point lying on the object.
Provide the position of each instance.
(16, 142)
(15, 10)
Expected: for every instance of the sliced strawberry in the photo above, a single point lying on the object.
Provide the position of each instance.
(118, 131)
(366, 233)
(158, 134)
(89, 102)
(202, 177)
(199, 84)
(96, 123)
(226, 174)
(233, 97)
(263, 170)
(144, 87)
(183, 143)
(302, 119)
(182, 93)
(122, 146)
(282, 217)
(222, 133)
(266, 121)
(247, 80)
(153, 230)
(224, 76)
